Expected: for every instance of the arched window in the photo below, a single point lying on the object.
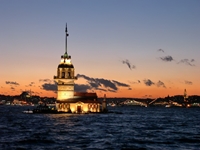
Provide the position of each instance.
(69, 74)
(63, 75)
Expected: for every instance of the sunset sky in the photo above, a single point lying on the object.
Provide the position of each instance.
(132, 48)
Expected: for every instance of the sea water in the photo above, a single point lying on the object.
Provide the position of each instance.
(129, 127)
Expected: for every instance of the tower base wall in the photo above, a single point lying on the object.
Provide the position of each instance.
(63, 95)
(77, 107)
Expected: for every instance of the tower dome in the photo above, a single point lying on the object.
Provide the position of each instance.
(65, 66)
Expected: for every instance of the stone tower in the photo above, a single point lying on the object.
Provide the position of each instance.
(65, 80)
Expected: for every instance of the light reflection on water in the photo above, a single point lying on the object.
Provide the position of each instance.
(122, 128)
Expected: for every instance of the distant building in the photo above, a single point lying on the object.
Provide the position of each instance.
(67, 99)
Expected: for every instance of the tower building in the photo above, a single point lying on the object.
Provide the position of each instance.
(65, 75)
(67, 99)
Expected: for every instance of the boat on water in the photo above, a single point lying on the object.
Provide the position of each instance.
(42, 109)
(167, 105)
(28, 111)
(112, 104)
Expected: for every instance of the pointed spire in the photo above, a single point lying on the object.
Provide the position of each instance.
(65, 56)
(66, 39)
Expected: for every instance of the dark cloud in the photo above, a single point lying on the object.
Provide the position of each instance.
(90, 80)
(30, 84)
(12, 88)
(49, 87)
(77, 87)
(99, 83)
(127, 62)
(107, 83)
(187, 62)
(161, 50)
(160, 84)
(188, 82)
(45, 80)
(129, 88)
(148, 82)
(192, 60)
(135, 82)
(93, 84)
(12, 83)
(120, 84)
(114, 91)
(167, 58)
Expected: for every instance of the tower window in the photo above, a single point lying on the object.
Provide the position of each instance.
(63, 74)
(69, 74)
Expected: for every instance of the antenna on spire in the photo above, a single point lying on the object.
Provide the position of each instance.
(66, 39)
(66, 29)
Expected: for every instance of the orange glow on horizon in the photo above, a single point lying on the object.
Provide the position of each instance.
(137, 91)
(123, 93)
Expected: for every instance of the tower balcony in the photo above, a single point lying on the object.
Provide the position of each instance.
(69, 77)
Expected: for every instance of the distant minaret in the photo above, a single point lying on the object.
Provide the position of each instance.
(185, 95)
(104, 104)
(65, 80)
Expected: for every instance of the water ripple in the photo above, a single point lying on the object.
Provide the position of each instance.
(124, 128)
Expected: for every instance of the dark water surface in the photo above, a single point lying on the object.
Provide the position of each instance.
(124, 128)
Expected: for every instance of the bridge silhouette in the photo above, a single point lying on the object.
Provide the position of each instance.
(146, 103)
